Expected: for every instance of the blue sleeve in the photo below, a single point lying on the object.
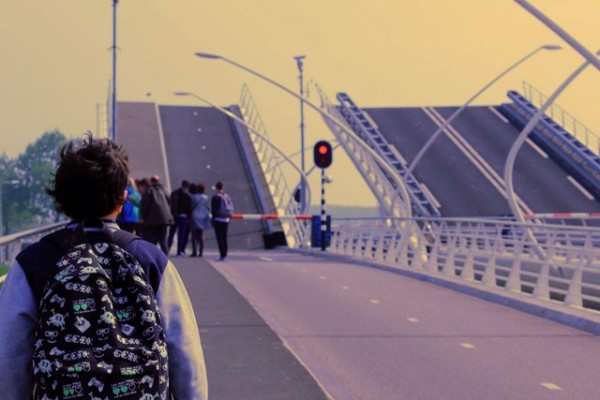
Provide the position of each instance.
(18, 322)
(186, 359)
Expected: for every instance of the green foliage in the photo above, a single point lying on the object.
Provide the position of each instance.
(26, 203)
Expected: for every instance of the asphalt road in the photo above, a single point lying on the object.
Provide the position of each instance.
(201, 147)
(460, 183)
(372, 334)
(245, 359)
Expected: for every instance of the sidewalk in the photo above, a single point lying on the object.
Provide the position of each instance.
(245, 358)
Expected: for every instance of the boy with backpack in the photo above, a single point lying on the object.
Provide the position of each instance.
(91, 311)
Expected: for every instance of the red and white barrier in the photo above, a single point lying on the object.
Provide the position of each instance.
(562, 215)
(270, 216)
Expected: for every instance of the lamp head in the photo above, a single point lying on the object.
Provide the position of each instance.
(552, 47)
(208, 55)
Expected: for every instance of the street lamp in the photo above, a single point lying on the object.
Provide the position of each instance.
(113, 127)
(303, 176)
(588, 55)
(2, 227)
(382, 163)
(429, 142)
(300, 64)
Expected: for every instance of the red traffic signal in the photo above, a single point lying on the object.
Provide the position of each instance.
(323, 154)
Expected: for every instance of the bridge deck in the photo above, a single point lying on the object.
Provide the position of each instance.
(245, 358)
(371, 334)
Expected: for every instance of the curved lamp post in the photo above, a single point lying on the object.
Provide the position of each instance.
(383, 164)
(455, 114)
(303, 176)
(588, 55)
(512, 154)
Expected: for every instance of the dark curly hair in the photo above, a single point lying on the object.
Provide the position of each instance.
(90, 179)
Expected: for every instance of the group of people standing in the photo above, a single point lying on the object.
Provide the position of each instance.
(187, 212)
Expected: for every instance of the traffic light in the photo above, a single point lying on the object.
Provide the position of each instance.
(323, 154)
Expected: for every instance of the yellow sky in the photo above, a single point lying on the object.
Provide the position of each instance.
(56, 62)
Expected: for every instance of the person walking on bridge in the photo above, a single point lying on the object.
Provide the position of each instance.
(181, 208)
(222, 209)
(155, 212)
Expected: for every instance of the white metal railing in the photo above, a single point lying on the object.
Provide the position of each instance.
(11, 245)
(569, 123)
(295, 231)
(391, 204)
(490, 252)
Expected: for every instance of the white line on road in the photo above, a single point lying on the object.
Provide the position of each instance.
(265, 258)
(536, 148)
(467, 345)
(472, 155)
(304, 269)
(580, 188)
(500, 116)
(322, 277)
(373, 301)
(412, 319)
(346, 287)
(550, 386)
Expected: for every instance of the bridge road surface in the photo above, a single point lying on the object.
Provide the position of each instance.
(366, 333)
(245, 359)
(459, 183)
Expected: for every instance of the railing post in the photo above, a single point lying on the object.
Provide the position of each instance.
(542, 285)
(514, 278)
(574, 296)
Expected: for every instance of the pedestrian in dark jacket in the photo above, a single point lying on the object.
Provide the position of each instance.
(155, 212)
(181, 208)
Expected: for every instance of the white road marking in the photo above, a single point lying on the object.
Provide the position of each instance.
(580, 188)
(304, 269)
(265, 258)
(346, 287)
(467, 345)
(412, 319)
(536, 148)
(322, 277)
(500, 116)
(472, 155)
(550, 386)
(373, 301)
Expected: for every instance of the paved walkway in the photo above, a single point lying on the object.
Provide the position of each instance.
(366, 333)
(245, 358)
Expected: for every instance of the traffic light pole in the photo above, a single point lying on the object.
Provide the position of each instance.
(323, 212)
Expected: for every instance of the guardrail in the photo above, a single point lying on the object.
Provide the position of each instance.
(493, 253)
(366, 130)
(295, 230)
(564, 148)
(566, 120)
(11, 245)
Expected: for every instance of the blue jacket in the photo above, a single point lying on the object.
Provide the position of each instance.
(19, 319)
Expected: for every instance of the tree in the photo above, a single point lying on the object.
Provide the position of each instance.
(27, 203)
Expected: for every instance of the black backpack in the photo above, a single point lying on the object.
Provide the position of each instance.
(100, 334)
